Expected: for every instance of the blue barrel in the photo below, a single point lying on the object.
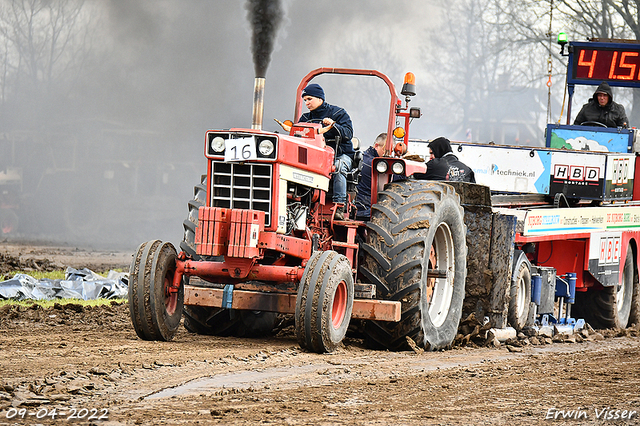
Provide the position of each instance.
(536, 289)
(571, 276)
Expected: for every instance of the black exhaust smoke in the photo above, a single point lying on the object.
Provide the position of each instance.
(265, 17)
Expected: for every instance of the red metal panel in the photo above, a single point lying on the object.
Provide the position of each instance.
(233, 232)
(221, 218)
(212, 231)
(565, 256)
(244, 231)
(636, 180)
(203, 232)
(199, 225)
(557, 237)
(289, 245)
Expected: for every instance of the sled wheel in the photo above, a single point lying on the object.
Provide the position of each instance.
(324, 302)
(416, 226)
(155, 310)
(609, 307)
(520, 299)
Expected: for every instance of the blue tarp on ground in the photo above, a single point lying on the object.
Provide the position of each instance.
(78, 284)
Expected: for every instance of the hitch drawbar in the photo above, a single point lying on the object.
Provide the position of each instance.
(227, 297)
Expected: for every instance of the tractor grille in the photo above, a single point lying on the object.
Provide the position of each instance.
(242, 186)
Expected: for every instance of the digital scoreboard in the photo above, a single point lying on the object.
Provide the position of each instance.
(594, 62)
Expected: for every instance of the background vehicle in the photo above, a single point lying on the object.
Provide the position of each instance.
(576, 203)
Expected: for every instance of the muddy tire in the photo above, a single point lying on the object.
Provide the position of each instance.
(609, 307)
(324, 302)
(155, 311)
(202, 319)
(188, 244)
(210, 321)
(228, 322)
(255, 323)
(416, 226)
(520, 299)
(217, 321)
(634, 312)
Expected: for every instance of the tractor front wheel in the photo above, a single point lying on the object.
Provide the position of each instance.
(155, 307)
(324, 302)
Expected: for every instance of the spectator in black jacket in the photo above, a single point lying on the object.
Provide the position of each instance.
(443, 165)
(602, 109)
(363, 198)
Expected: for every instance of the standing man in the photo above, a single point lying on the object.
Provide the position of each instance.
(444, 165)
(363, 197)
(602, 109)
(338, 132)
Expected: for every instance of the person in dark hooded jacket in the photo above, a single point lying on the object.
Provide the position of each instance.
(602, 109)
(444, 165)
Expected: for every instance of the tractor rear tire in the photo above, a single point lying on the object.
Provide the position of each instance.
(611, 306)
(520, 299)
(228, 322)
(416, 226)
(210, 321)
(188, 244)
(155, 311)
(217, 321)
(325, 302)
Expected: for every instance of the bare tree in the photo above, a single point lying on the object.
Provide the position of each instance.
(483, 68)
(581, 20)
(45, 45)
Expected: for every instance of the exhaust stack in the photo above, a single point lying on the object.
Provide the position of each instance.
(258, 103)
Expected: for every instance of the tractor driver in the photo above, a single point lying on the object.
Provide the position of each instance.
(338, 132)
(601, 109)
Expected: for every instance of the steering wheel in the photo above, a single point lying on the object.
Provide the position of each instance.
(595, 123)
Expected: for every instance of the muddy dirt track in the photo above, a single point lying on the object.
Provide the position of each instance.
(88, 362)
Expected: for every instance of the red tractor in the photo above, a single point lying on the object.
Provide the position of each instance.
(261, 239)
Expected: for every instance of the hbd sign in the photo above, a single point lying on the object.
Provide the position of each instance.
(576, 173)
(609, 250)
(620, 171)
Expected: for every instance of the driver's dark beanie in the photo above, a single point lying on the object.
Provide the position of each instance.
(440, 146)
(313, 90)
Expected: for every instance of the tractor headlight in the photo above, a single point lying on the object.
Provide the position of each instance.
(266, 147)
(382, 167)
(217, 144)
(398, 168)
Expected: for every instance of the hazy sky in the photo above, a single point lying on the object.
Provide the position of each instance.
(158, 73)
